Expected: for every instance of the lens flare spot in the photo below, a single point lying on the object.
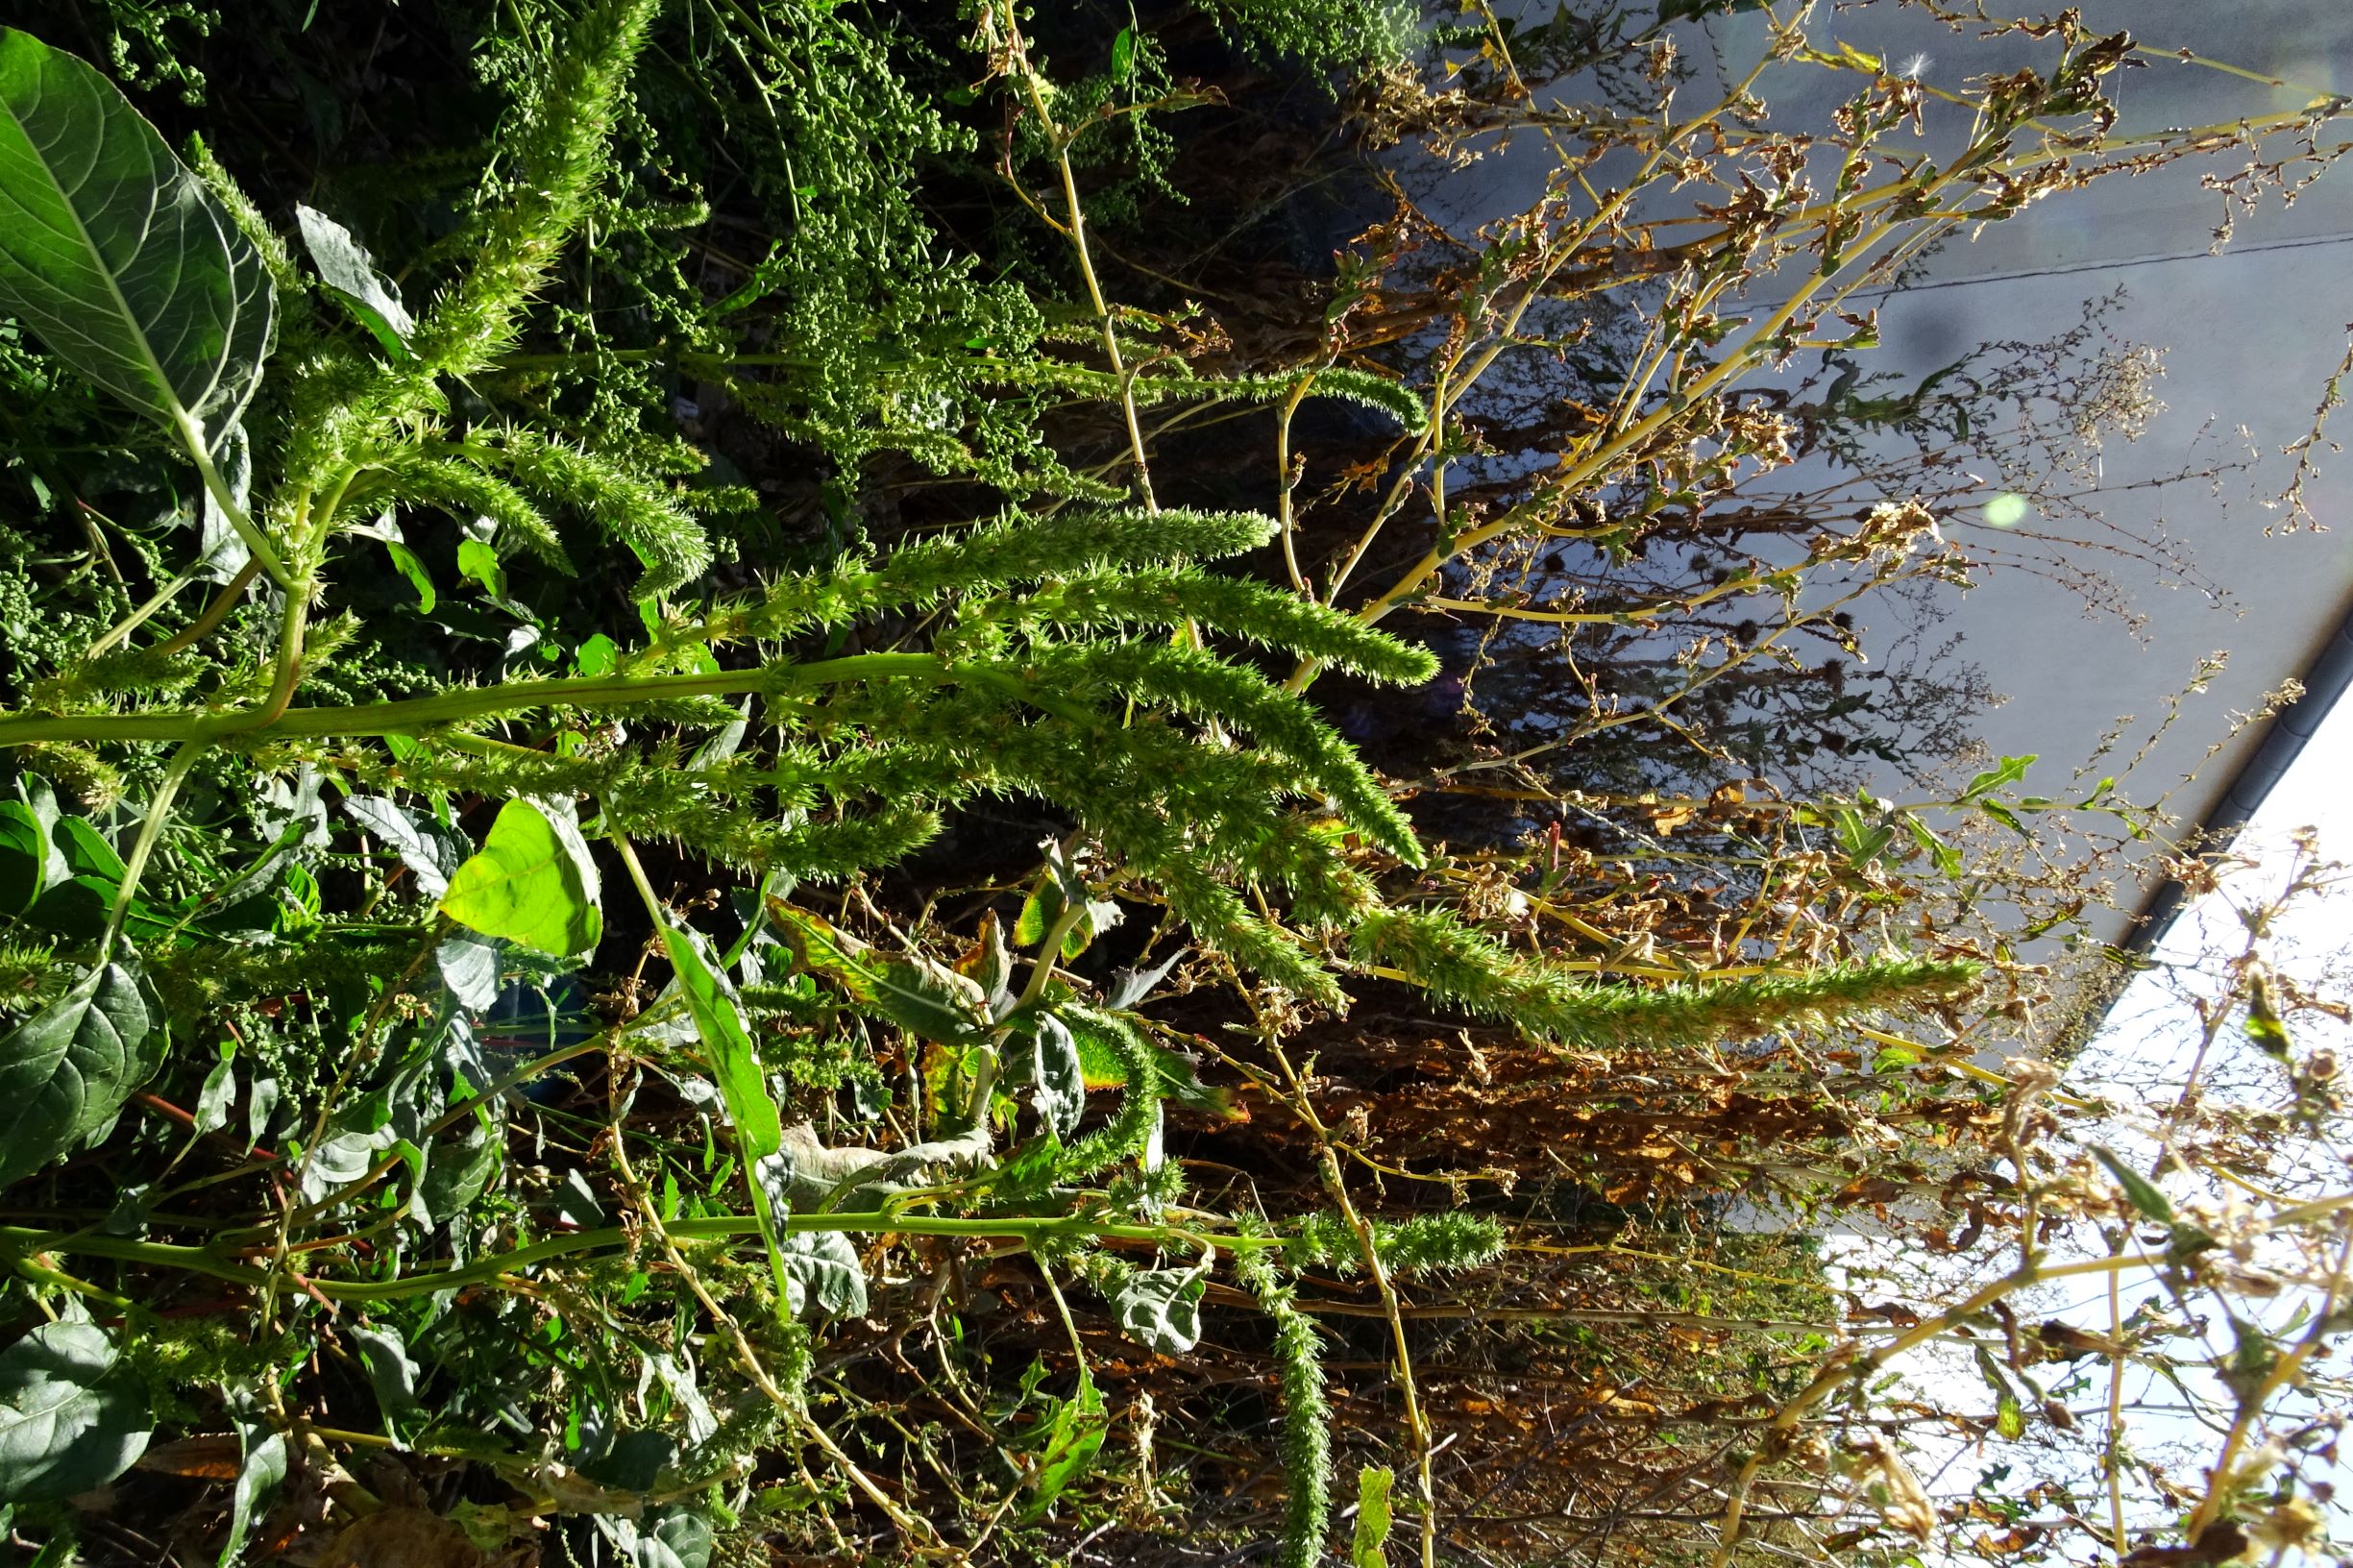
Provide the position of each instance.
(2007, 510)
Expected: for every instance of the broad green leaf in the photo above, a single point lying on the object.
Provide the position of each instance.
(86, 850)
(2009, 771)
(460, 1171)
(1372, 1534)
(72, 1415)
(220, 1091)
(1057, 1079)
(634, 1462)
(66, 1070)
(431, 852)
(930, 1000)
(823, 1266)
(478, 559)
(1100, 1068)
(759, 1129)
(735, 1066)
(259, 1479)
(678, 1539)
(1074, 1435)
(392, 1372)
(532, 883)
(24, 857)
(346, 267)
(406, 562)
(1161, 1308)
(470, 967)
(1063, 887)
(114, 250)
(341, 1160)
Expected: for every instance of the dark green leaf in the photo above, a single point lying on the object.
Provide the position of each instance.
(66, 1070)
(220, 1091)
(634, 1462)
(86, 850)
(1074, 1434)
(821, 1266)
(930, 1000)
(348, 269)
(431, 852)
(1161, 1308)
(116, 254)
(72, 1415)
(1057, 1079)
(259, 1479)
(391, 1371)
(678, 1539)
(24, 857)
(458, 1172)
(532, 883)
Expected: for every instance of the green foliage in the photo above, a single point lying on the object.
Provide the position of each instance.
(72, 1415)
(156, 299)
(1323, 36)
(65, 1070)
(1455, 962)
(532, 882)
(664, 594)
(1306, 1415)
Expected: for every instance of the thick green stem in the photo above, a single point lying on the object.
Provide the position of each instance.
(192, 437)
(19, 1241)
(460, 706)
(134, 865)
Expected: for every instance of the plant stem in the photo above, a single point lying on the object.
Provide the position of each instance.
(459, 706)
(151, 827)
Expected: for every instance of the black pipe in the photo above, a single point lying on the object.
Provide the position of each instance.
(2325, 680)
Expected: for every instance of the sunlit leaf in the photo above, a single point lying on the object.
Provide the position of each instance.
(532, 883)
